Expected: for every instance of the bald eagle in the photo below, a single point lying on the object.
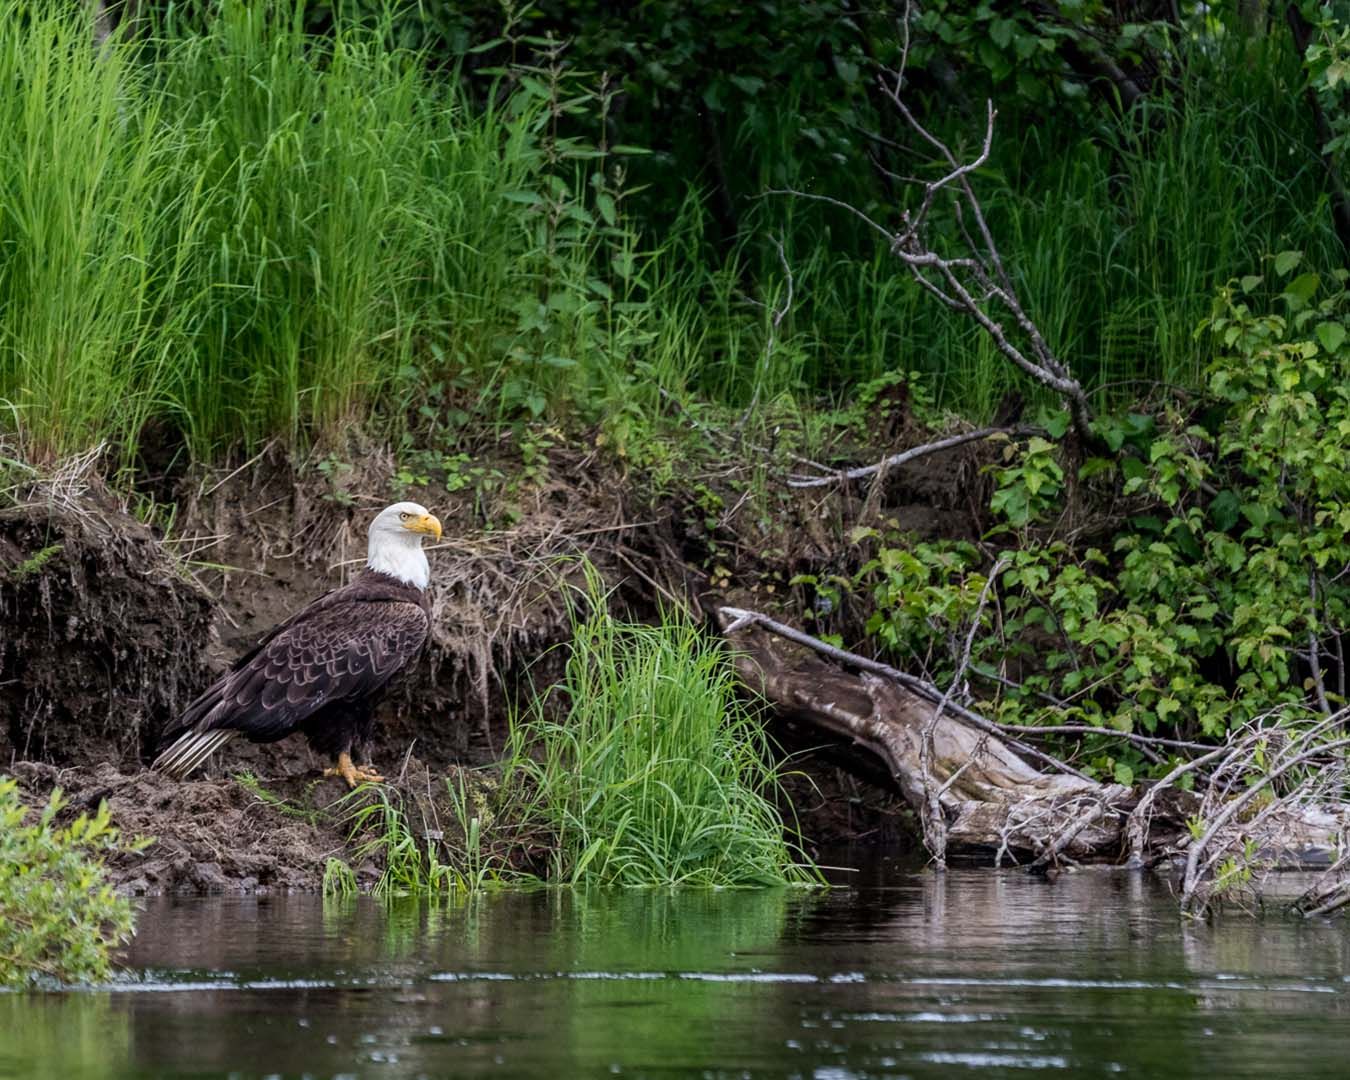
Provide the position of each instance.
(323, 670)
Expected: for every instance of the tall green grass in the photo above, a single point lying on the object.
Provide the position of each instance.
(649, 769)
(86, 197)
(243, 233)
(247, 233)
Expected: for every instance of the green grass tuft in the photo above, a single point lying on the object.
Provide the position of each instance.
(339, 879)
(653, 772)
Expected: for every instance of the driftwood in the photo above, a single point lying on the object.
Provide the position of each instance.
(994, 802)
(1270, 797)
(896, 460)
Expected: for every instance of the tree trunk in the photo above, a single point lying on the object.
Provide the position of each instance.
(994, 804)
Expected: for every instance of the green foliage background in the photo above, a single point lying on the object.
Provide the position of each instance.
(256, 222)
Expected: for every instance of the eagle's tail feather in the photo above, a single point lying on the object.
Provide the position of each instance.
(191, 749)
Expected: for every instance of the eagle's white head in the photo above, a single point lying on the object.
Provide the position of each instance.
(395, 546)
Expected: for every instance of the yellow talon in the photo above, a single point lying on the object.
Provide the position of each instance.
(354, 774)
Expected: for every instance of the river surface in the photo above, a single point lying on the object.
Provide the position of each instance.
(897, 973)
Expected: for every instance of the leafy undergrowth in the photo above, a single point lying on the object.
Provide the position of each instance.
(1182, 578)
(59, 919)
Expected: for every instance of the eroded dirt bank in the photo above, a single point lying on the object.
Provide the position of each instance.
(110, 627)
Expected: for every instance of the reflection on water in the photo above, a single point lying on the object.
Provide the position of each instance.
(895, 974)
(53, 1036)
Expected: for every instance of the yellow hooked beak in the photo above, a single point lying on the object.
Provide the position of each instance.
(427, 523)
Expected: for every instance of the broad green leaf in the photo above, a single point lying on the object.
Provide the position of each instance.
(1331, 335)
(1300, 291)
(1058, 424)
(1285, 261)
(1224, 510)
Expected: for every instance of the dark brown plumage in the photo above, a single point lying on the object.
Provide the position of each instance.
(322, 671)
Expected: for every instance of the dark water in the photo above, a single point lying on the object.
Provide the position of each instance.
(904, 974)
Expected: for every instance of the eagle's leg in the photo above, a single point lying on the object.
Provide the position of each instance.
(353, 774)
(335, 730)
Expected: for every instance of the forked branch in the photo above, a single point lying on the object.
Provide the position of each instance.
(975, 281)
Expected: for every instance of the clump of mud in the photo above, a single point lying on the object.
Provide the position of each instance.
(102, 638)
(245, 833)
(208, 836)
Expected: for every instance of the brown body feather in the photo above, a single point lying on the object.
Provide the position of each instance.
(321, 672)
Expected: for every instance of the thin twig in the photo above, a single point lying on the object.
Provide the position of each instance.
(1136, 826)
(1066, 835)
(1083, 729)
(1315, 647)
(934, 824)
(776, 317)
(902, 458)
(221, 483)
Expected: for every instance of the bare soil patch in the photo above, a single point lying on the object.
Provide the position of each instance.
(102, 637)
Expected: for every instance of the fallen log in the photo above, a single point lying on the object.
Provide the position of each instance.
(994, 802)
(999, 800)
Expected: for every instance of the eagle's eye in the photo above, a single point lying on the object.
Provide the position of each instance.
(403, 515)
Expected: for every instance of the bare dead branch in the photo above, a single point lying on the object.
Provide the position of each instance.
(839, 204)
(902, 458)
(1334, 901)
(1303, 750)
(1315, 647)
(776, 317)
(934, 824)
(975, 283)
(1085, 729)
(1136, 827)
(1070, 832)
(1331, 891)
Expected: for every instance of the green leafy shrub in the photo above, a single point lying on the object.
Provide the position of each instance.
(1195, 579)
(654, 773)
(58, 918)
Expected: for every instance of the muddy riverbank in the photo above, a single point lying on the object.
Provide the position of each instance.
(113, 623)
